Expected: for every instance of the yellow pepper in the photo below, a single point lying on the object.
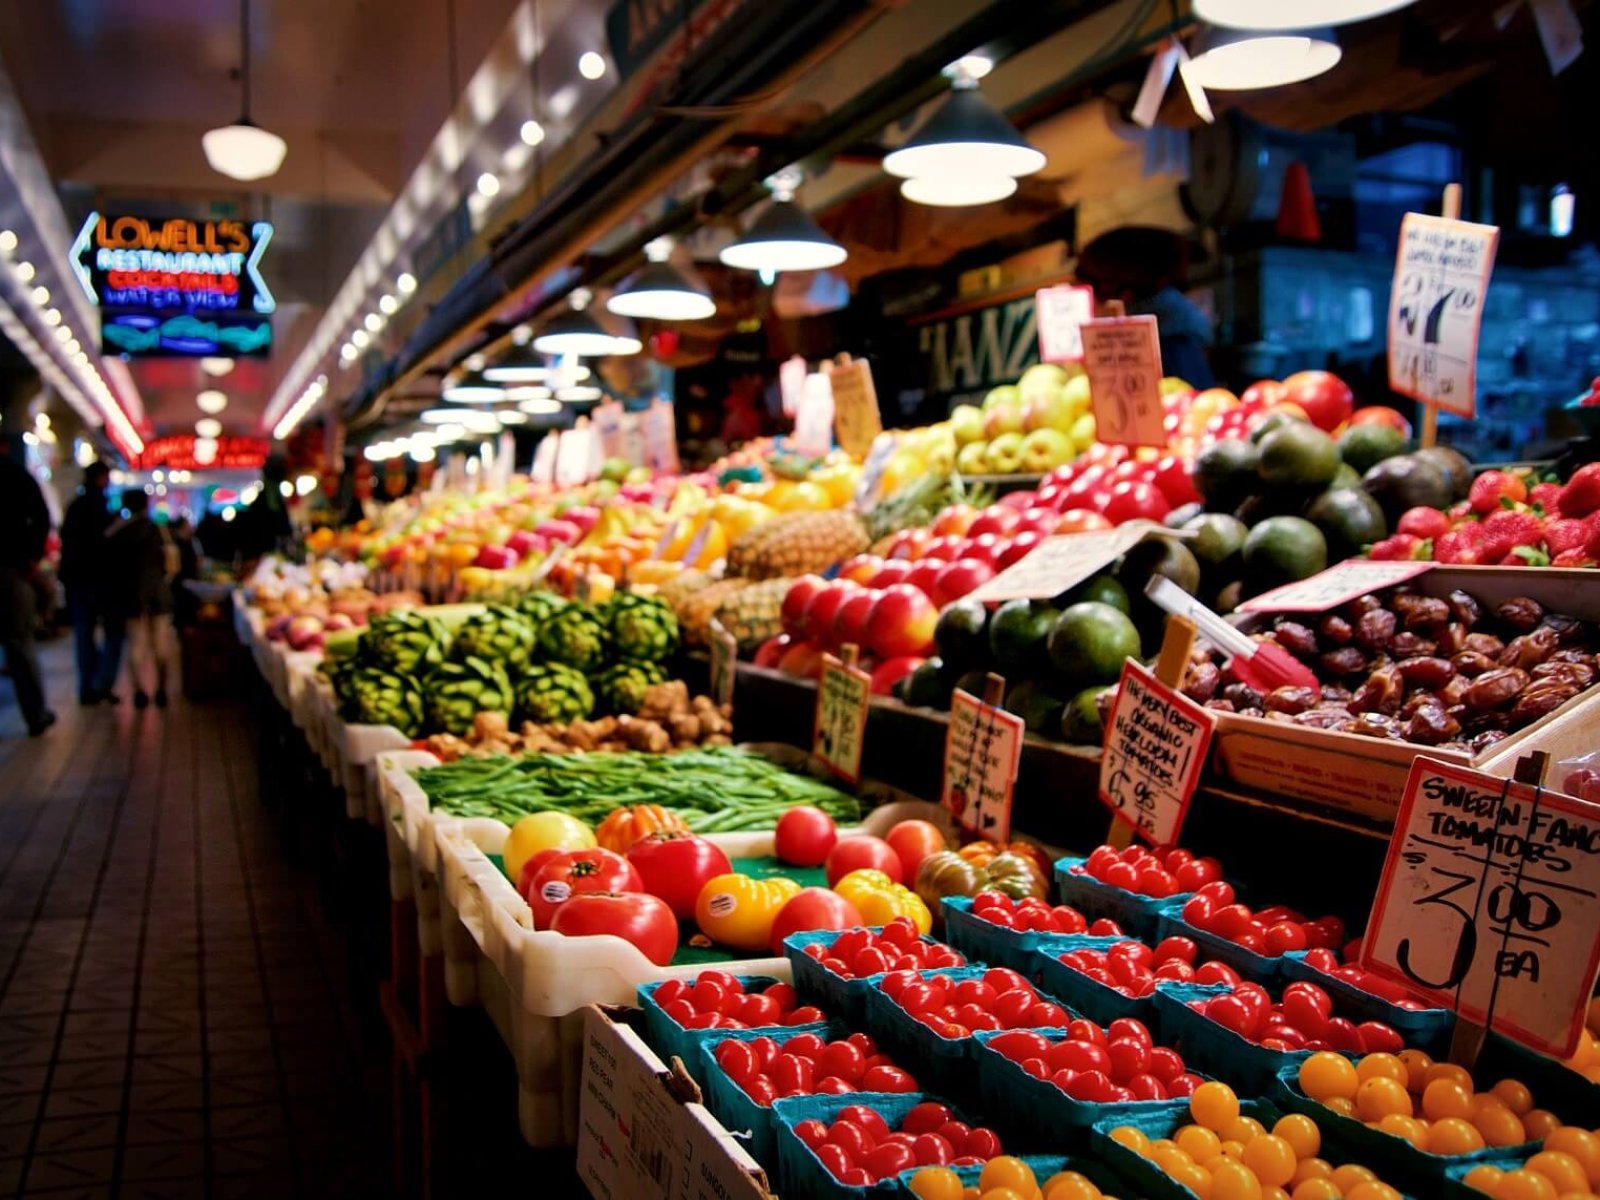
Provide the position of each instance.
(880, 899)
(737, 910)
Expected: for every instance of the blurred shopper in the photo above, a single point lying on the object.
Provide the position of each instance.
(1144, 267)
(24, 526)
(85, 568)
(146, 561)
(265, 526)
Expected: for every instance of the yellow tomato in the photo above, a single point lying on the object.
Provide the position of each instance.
(1484, 1179)
(936, 1183)
(1214, 1105)
(736, 910)
(1581, 1145)
(1302, 1134)
(1006, 1171)
(543, 831)
(1563, 1170)
(1326, 1075)
(880, 899)
(1133, 1138)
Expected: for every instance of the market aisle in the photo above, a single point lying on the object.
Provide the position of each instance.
(173, 1012)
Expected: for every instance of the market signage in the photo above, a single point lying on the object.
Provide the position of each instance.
(637, 29)
(177, 453)
(1441, 274)
(1155, 752)
(971, 352)
(176, 287)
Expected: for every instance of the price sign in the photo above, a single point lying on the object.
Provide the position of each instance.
(856, 420)
(1060, 314)
(1441, 273)
(608, 428)
(1490, 903)
(839, 729)
(1060, 563)
(544, 459)
(1155, 751)
(724, 653)
(661, 437)
(1122, 356)
(1337, 585)
(982, 751)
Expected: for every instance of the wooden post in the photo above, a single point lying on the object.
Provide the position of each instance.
(1116, 308)
(1451, 211)
(994, 690)
(849, 654)
(1176, 646)
(1466, 1042)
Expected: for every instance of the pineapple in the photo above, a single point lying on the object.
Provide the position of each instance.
(797, 543)
(752, 614)
(694, 612)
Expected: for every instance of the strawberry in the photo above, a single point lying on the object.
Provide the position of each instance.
(1563, 534)
(1399, 548)
(1581, 496)
(1423, 522)
(1461, 545)
(1591, 545)
(1572, 558)
(1547, 496)
(1492, 487)
(1460, 511)
(1507, 529)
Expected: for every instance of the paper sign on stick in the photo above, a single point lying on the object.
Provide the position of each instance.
(1122, 356)
(724, 653)
(1337, 585)
(1061, 562)
(1489, 903)
(839, 730)
(1060, 314)
(1441, 274)
(856, 420)
(982, 751)
(1155, 753)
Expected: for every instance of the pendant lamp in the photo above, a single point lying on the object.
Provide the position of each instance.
(575, 331)
(1234, 60)
(784, 237)
(662, 292)
(523, 365)
(471, 388)
(1292, 14)
(244, 150)
(965, 136)
(957, 191)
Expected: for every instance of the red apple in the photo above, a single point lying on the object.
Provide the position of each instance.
(995, 519)
(850, 620)
(901, 623)
(803, 660)
(1261, 395)
(860, 568)
(1018, 500)
(771, 651)
(948, 547)
(817, 624)
(925, 572)
(526, 542)
(896, 570)
(1039, 517)
(1022, 545)
(954, 520)
(892, 671)
(795, 601)
(584, 516)
(959, 578)
(495, 558)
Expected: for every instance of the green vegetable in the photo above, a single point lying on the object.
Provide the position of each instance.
(499, 633)
(552, 693)
(538, 607)
(574, 636)
(643, 628)
(405, 642)
(458, 691)
(373, 696)
(620, 689)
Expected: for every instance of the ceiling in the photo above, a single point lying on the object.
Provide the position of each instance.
(118, 92)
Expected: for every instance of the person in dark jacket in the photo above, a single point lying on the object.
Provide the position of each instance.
(146, 563)
(24, 525)
(84, 567)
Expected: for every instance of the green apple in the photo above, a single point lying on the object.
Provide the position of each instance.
(1082, 432)
(966, 422)
(1003, 418)
(1078, 395)
(1041, 379)
(1045, 449)
(940, 453)
(1005, 454)
(1058, 410)
(1006, 393)
(973, 458)
(1171, 385)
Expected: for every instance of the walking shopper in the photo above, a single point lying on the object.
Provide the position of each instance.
(146, 562)
(24, 525)
(85, 560)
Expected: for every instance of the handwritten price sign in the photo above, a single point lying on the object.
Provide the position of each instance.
(1441, 273)
(1490, 903)
(1122, 356)
(1060, 313)
(982, 751)
(1059, 563)
(1337, 585)
(839, 730)
(1155, 751)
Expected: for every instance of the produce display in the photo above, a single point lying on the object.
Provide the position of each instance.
(1301, 1019)
(1001, 1178)
(718, 1000)
(860, 1147)
(808, 1065)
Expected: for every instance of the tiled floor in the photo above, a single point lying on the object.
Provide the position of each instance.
(174, 1008)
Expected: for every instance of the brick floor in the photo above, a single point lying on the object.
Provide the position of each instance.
(175, 1011)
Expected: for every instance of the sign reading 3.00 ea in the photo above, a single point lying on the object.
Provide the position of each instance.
(1441, 274)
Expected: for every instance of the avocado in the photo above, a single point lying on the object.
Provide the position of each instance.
(1350, 519)
(1221, 538)
(1270, 422)
(928, 686)
(1089, 643)
(1039, 710)
(1080, 719)
(1104, 588)
(1457, 469)
(1297, 454)
(1183, 514)
(1225, 473)
(1408, 481)
(1283, 549)
(961, 635)
(1018, 633)
(1366, 445)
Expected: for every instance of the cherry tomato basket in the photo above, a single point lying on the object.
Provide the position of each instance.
(935, 1060)
(843, 999)
(1095, 1000)
(802, 1175)
(1213, 1048)
(1149, 1180)
(668, 1038)
(1425, 1028)
(1558, 1087)
(1036, 1109)
(984, 941)
(1138, 915)
(1396, 1160)
(731, 1104)
(1453, 1185)
(1043, 1166)
(1263, 968)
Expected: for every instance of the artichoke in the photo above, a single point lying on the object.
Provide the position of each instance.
(458, 691)
(553, 694)
(405, 642)
(538, 607)
(621, 688)
(574, 636)
(499, 633)
(643, 628)
(373, 696)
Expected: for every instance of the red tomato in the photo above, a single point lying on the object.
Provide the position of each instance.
(913, 841)
(574, 872)
(635, 917)
(1326, 399)
(1174, 478)
(771, 650)
(675, 866)
(1131, 499)
(812, 908)
(863, 851)
(803, 836)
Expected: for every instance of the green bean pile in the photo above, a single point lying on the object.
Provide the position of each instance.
(721, 789)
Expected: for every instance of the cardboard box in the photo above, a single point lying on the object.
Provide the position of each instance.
(642, 1131)
(1365, 776)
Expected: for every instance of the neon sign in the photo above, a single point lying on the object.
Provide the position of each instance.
(176, 452)
(176, 287)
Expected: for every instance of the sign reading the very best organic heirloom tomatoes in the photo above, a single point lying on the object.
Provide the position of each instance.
(1155, 751)
(1337, 585)
(1489, 903)
(839, 730)
(1060, 314)
(1441, 274)
(1060, 563)
(1122, 356)
(982, 752)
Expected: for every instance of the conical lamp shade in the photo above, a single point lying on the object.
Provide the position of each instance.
(967, 135)
(661, 292)
(1236, 60)
(577, 332)
(524, 365)
(1291, 14)
(473, 388)
(784, 238)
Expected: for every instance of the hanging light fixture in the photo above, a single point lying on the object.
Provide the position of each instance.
(1237, 60)
(471, 388)
(244, 150)
(1301, 14)
(957, 191)
(965, 137)
(784, 237)
(575, 331)
(211, 401)
(663, 292)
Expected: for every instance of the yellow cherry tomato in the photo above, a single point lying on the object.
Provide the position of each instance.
(880, 899)
(1169, 1158)
(1243, 1130)
(936, 1183)
(1234, 1181)
(1379, 1064)
(1274, 1193)
(1070, 1185)
(1316, 1189)
(1007, 1171)
(1498, 1124)
(1451, 1071)
(1563, 1170)
(1382, 1096)
(1372, 1189)
(1302, 1134)
(1523, 1184)
(1002, 1193)
(1132, 1138)
(737, 910)
(1444, 1098)
(1271, 1158)
(1452, 1135)
(1311, 1168)
(1326, 1075)
(1214, 1105)
(1194, 1177)
(1417, 1063)
(1485, 1179)
(1514, 1094)
(1233, 1149)
(1405, 1126)
(1540, 1123)
(1342, 1105)
(1198, 1142)
(1581, 1145)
